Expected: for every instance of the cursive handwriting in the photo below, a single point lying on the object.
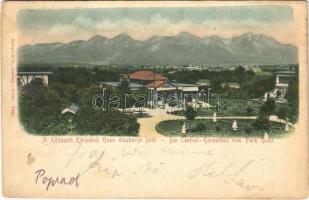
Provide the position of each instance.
(142, 162)
(50, 181)
(210, 170)
(144, 169)
(101, 169)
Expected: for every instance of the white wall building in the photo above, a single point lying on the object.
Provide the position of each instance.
(24, 78)
(282, 83)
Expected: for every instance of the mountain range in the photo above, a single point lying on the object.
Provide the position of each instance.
(180, 49)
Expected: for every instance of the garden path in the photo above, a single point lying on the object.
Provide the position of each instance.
(148, 124)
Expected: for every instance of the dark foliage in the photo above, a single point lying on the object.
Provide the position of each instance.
(190, 113)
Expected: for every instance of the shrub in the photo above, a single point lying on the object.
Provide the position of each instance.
(107, 122)
(261, 123)
(199, 127)
(217, 128)
(190, 113)
(248, 129)
(40, 108)
(268, 107)
(282, 113)
(249, 110)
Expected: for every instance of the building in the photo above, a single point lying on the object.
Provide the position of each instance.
(24, 78)
(173, 89)
(185, 87)
(231, 85)
(132, 86)
(152, 81)
(72, 109)
(147, 78)
(158, 84)
(283, 79)
(281, 85)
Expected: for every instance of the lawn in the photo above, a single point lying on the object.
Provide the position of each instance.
(230, 107)
(223, 128)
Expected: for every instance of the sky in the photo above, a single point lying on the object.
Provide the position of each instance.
(65, 25)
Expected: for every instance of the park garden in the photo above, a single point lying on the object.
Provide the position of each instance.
(41, 106)
(220, 128)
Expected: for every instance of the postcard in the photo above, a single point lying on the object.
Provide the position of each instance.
(133, 99)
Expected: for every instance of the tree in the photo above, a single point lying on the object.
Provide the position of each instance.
(240, 70)
(190, 113)
(293, 98)
(140, 99)
(123, 87)
(104, 121)
(40, 109)
(261, 123)
(268, 107)
(67, 91)
(278, 93)
(282, 113)
(240, 74)
(249, 111)
(258, 87)
(216, 84)
(199, 127)
(35, 85)
(123, 91)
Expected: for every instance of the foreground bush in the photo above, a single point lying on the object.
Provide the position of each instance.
(40, 110)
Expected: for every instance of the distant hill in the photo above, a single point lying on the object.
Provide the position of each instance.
(183, 48)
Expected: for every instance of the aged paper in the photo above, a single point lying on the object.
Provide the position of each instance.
(155, 99)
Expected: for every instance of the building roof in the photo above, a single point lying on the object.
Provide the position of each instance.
(285, 72)
(231, 85)
(183, 84)
(115, 84)
(156, 84)
(34, 73)
(166, 86)
(146, 75)
(73, 108)
(68, 110)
